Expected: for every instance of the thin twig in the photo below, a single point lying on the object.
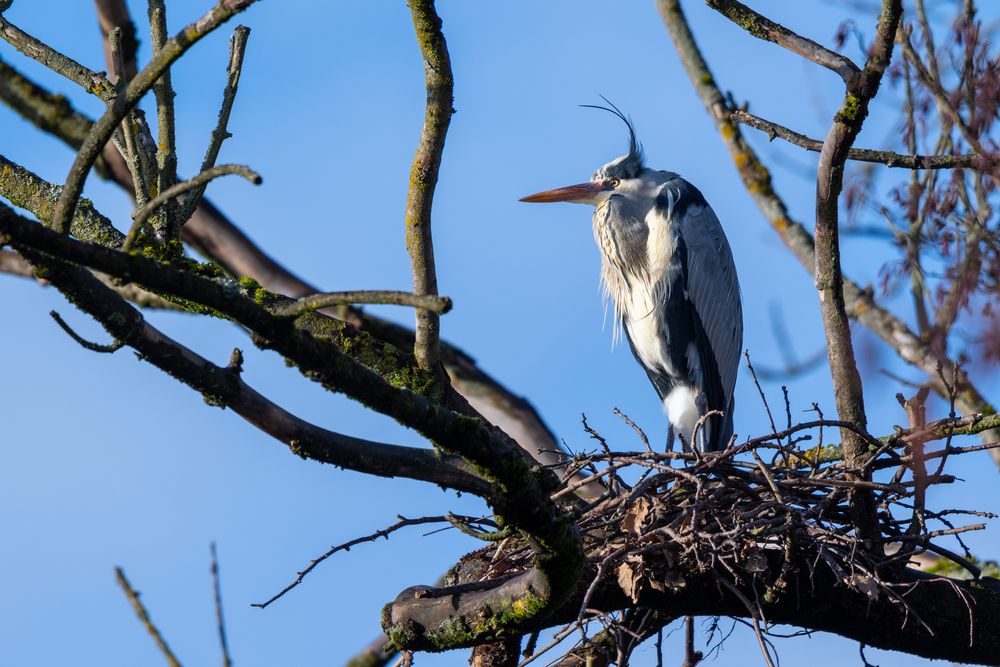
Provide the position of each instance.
(142, 177)
(220, 622)
(166, 144)
(346, 546)
(888, 158)
(237, 47)
(143, 614)
(94, 347)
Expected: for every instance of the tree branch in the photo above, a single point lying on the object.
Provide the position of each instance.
(437, 304)
(113, 14)
(223, 387)
(847, 386)
(147, 621)
(764, 28)
(960, 615)
(177, 189)
(424, 174)
(860, 303)
(166, 140)
(92, 82)
(102, 130)
(888, 158)
(237, 47)
(212, 234)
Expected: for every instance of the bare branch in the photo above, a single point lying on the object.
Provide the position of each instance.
(147, 621)
(764, 28)
(166, 144)
(90, 81)
(437, 304)
(102, 130)
(888, 158)
(224, 387)
(227, 660)
(829, 277)
(113, 14)
(346, 546)
(141, 169)
(174, 191)
(93, 347)
(237, 47)
(424, 174)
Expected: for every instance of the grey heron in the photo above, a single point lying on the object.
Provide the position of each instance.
(668, 270)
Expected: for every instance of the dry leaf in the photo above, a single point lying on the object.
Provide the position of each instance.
(636, 516)
(630, 577)
(863, 583)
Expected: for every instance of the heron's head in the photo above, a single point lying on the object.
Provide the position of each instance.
(620, 176)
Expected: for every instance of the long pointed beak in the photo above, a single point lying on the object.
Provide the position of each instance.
(582, 192)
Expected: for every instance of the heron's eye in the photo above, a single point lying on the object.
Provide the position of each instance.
(614, 182)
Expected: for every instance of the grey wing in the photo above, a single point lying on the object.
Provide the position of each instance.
(712, 285)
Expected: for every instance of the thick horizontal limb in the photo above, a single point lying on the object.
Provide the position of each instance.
(764, 28)
(13, 264)
(962, 615)
(888, 158)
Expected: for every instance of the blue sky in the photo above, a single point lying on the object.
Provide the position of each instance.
(108, 462)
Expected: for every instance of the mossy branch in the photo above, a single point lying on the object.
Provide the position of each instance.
(764, 28)
(424, 174)
(437, 304)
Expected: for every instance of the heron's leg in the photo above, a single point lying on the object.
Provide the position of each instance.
(702, 435)
(670, 438)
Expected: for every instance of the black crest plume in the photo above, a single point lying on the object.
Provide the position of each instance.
(635, 157)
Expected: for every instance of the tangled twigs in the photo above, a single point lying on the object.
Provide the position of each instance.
(755, 536)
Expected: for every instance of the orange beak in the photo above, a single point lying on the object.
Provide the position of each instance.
(583, 192)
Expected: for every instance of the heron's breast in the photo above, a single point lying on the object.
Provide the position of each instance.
(642, 315)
